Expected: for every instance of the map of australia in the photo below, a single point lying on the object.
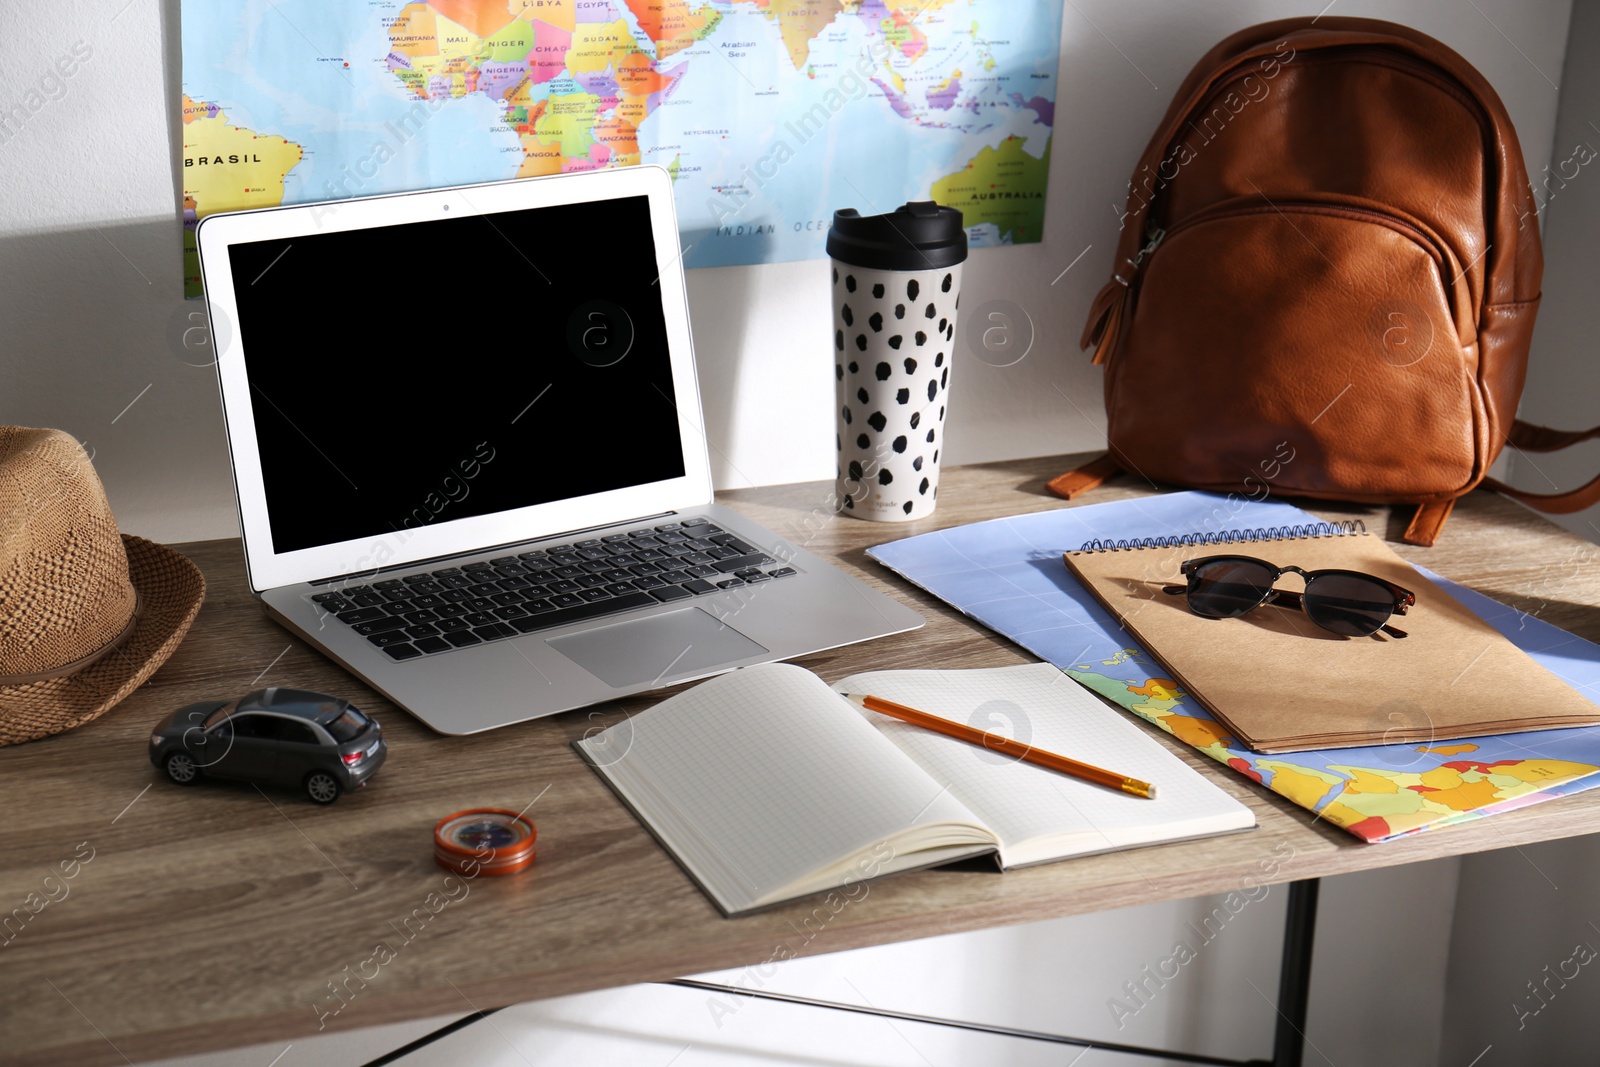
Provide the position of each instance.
(769, 114)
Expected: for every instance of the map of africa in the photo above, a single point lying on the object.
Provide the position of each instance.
(769, 114)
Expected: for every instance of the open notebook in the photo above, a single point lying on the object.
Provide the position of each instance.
(766, 784)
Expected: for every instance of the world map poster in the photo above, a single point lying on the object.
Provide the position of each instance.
(768, 114)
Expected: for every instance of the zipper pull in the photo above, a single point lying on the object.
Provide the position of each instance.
(1105, 315)
(1153, 239)
(1111, 304)
(1105, 319)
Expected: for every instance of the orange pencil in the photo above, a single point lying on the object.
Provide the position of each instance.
(997, 743)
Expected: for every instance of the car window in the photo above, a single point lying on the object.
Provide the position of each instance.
(261, 727)
(347, 725)
(217, 716)
(296, 731)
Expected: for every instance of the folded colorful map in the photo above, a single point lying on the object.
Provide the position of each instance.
(1008, 575)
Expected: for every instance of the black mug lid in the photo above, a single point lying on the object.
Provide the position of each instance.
(919, 235)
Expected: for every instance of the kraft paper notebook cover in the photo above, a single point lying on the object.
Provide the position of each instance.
(1283, 684)
(766, 785)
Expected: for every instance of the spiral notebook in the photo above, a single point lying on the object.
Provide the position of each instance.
(1282, 684)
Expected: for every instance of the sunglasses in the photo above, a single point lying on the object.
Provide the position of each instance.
(1348, 603)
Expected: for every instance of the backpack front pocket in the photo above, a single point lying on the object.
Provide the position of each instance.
(1336, 334)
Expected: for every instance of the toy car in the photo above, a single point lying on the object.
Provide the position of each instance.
(311, 741)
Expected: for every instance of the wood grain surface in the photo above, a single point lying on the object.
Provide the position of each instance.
(222, 915)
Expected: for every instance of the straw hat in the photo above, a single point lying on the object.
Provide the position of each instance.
(86, 614)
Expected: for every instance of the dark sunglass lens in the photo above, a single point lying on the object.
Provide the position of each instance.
(1228, 587)
(1348, 605)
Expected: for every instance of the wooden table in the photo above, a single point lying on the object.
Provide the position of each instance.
(221, 916)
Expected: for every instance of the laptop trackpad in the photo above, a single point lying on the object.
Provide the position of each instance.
(686, 641)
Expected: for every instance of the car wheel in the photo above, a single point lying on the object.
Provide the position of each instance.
(322, 787)
(182, 769)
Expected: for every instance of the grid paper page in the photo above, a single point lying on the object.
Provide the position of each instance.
(757, 778)
(1022, 802)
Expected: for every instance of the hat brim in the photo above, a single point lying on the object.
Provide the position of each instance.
(171, 589)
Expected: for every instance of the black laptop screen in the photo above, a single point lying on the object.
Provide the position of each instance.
(414, 374)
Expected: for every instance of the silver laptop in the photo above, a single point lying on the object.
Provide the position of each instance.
(471, 467)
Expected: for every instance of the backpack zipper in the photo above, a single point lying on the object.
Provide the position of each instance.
(1114, 301)
(1153, 236)
(1443, 258)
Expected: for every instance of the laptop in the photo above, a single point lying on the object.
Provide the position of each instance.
(470, 459)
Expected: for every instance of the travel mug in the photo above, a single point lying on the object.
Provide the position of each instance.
(896, 285)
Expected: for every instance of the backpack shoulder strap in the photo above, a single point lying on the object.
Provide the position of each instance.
(1585, 496)
(1526, 437)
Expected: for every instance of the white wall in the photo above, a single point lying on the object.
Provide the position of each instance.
(1523, 914)
(1563, 387)
(1524, 973)
(91, 321)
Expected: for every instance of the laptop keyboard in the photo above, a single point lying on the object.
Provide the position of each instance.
(457, 607)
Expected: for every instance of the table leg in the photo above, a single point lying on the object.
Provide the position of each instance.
(1294, 977)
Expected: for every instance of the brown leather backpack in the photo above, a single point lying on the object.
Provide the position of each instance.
(1326, 280)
